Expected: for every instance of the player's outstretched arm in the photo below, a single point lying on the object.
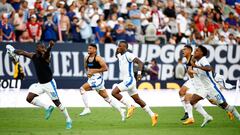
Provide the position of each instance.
(47, 53)
(24, 53)
(140, 68)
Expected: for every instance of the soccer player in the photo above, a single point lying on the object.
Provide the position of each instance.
(95, 66)
(187, 90)
(205, 84)
(46, 83)
(126, 61)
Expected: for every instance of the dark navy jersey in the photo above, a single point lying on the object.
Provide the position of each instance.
(189, 61)
(93, 64)
(43, 70)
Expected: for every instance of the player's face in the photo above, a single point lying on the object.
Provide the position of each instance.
(121, 48)
(198, 53)
(91, 50)
(186, 51)
(41, 49)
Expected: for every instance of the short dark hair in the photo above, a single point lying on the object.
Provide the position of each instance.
(124, 42)
(93, 45)
(154, 60)
(189, 47)
(203, 49)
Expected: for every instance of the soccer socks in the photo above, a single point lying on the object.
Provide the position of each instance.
(84, 97)
(125, 102)
(113, 103)
(37, 102)
(147, 109)
(233, 110)
(189, 110)
(65, 112)
(183, 103)
(200, 109)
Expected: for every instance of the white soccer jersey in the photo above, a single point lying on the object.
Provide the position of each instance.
(126, 65)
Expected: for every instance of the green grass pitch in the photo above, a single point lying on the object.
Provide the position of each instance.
(106, 121)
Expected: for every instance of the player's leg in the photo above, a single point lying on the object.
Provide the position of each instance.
(117, 88)
(113, 103)
(182, 93)
(187, 100)
(51, 89)
(145, 107)
(85, 87)
(32, 98)
(65, 112)
(194, 102)
(231, 109)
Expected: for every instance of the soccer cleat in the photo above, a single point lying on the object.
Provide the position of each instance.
(154, 119)
(206, 121)
(69, 124)
(85, 112)
(48, 112)
(185, 116)
(188, 121)
(230, 115)
(130, 111)
(123, 114)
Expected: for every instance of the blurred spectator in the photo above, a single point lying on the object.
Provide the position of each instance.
(179, 71)
(231, 40)
(64, 25)
(207, 5)
(113, 21)
(119, 32)
(6, 29)
(153, 70)
(169, 11)
(24, 7)
(19, 23)
(157, 17)
(16, 4)
(38, 5)
(135, 15)
(71, 12)
(93, 14)
(231, 20)
(130, 33)
(108, 36)
(145, 18)
(182, 24)
(173, 40)
(6, 8)
(222, 40)
(34, 28)
(75, 30)
(85, 30)
(46, 3)
(238, 39)
(100, 33)
(25, 37)
(49, 29)
(150, 36)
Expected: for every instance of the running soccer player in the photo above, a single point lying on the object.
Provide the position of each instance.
(187, 90)
(206, 86)
(126, 61)
(95, 66)
(46, 83)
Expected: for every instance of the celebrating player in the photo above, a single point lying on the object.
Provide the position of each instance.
(95, 66)
(126, 61)
(205, 85)
(46, 83)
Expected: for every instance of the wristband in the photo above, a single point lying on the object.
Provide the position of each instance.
(139, 72)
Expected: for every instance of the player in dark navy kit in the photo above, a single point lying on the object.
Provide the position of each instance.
(46, 83)
(95, 66)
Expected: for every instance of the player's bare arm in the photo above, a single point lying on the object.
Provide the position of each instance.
(100, 70)
(140, 68)
(24, 53)
(47, 53)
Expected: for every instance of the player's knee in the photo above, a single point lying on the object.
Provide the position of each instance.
(223, 105)
(82, 90)
(29, 99)
(182, 92)
(57, 102)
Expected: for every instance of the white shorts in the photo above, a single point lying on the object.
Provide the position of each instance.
(211, 93)
(96, 83)
(50, 88)
(189, 85)
(128, 85)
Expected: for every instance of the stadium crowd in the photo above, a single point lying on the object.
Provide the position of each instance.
(215, 22)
